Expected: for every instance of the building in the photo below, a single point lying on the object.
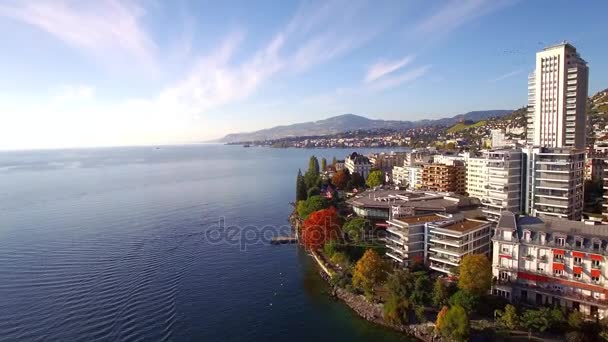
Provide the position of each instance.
(386, 161)
(503, 190)
(387, 204)
(444, 178)
(339, 165)
(476, 176)
(554, 182)
(406, 238)
(410, 176)
(594, 169)
(450, 240)
(418, 157)
(358, 163)
(605, 204)
(550, 261)
(498, 138)
(557, 98)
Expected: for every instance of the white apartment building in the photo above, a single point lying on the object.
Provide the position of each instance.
(551, 261)
(557, 97)
(406, 238)
(495, 178)
(450, 240)
(355, 162)
(554, 182)
(498, 138)
(410, 176)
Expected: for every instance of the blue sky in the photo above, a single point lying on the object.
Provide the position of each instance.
(109, 72)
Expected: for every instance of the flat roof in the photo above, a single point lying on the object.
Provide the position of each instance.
(464, 226)
(419, 219)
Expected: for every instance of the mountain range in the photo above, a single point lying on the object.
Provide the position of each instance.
(351, 122)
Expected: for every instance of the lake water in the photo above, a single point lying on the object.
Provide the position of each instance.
(118, 244)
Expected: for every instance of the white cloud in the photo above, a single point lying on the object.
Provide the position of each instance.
(110, 30)
(507, 75)
(456, 13)
(397, 80)
(74, 93)
(383, 68)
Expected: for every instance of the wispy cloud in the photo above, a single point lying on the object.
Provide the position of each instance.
(507, 75)
(108, 29)
(383, 68)
(456, 13)
(397, 80)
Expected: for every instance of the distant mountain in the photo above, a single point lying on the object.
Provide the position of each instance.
(351, 122)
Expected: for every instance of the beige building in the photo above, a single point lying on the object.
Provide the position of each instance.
(551, 261)
(355, 162)
(444, 178)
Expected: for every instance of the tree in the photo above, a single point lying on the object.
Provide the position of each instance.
(311, 177)
(313, 165)
(356, 181)
(320, 227)
(369, 272)
(311, 205)
(440, 317)
(421, 294)
(397, 310)
(455, 324)
(375, 178)
(536, 320)
(575, 320)
(355, 228)
(314, 191)
(323, 164)
(465, 299)
(334, 161)
(440, 293)
(475, 274)
(508, 318)
(400, 283)
(300, 188)
(340, 179)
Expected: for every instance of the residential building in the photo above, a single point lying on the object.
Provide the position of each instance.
(594, 169)
(406, 238)
(339, 165)
(476, 176)
(417, 157)
(410, 176)
(444, 178)
(358, 163)
(551, 261)
(605, 204)
(554, 182)
(503, 189)
(450, 240)
(387, 204)
(557, 98)
(386, 161)
(498, 138)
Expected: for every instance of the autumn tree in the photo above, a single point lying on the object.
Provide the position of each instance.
(321, 226)
(475, 274)
(440, 317)
(340, 179)
(310, 205)
(369, 271)
(375, 178)
(455, 324)
(300, 188)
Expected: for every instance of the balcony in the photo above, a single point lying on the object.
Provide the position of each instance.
(443, 258)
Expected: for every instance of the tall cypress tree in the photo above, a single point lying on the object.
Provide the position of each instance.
(313, 165)
(300, 187)
(323, 164)
(334, 161)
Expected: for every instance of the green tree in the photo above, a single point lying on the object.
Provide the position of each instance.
(323, 164)
(575, 320)
(456, 325)
(400, 283)
(313, 165)
(370, 271)
(312, 177)
(312, 204)
(356, 181)
(375, 178)
(440, 293)
(536, 320)
(508, 318)
(422, 285)
(355, 228)
(300, 188)
(330, 248)
(334, 161)
(465, 299)
(475, 274)
(397, 310)
(314, 191)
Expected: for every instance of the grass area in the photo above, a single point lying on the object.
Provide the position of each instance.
(602, 108)
(462, 126)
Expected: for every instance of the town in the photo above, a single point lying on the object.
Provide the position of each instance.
(517, 223)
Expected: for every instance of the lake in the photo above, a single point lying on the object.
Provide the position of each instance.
(125, 244)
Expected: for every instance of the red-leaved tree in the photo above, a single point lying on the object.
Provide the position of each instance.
(340, 179)
(320, 227)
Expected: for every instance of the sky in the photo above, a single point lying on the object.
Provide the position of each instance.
(150, 72)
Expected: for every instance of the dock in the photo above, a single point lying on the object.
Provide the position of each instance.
(278, 240)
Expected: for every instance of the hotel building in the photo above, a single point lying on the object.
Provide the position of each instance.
(548, 261)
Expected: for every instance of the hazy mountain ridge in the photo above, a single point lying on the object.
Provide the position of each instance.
(352, 122)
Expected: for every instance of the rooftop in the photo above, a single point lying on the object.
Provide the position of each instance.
(415, 199)
(464, 225)
(419, 219)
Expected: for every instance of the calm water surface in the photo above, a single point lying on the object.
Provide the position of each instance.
(112, 245)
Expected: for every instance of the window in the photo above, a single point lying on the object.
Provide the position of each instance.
(578, 276)
(595, 263)
(578, 260)
(558, 258)
(561, 241)
(596, 279)
(596, 245)
(558, 272)
(578, 243)
(505, 249)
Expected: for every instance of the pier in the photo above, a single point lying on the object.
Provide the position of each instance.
(279, 240)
